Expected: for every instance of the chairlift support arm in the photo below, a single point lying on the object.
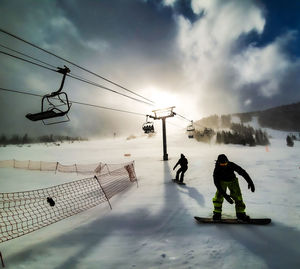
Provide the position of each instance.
(63, 71)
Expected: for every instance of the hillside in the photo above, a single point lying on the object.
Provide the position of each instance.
(285, 118)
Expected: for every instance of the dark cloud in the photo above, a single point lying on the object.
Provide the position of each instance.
(127, 41)
(127, 26)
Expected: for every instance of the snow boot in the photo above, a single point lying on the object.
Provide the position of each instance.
(242, 217)
(217, 216)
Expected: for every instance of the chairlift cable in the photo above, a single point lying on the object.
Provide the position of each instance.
(86, 104)
(33, 58)
(106, 88)
(78, 66)
(76, 77)
(28, 61)
(183, 117)
(83, 80)
(26, 55)
(109, 108)
(76, 102)
(176, 125)
(72, 76)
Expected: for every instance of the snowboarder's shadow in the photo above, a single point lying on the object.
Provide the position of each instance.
(194, 194)
(276, 244)
(84, 238)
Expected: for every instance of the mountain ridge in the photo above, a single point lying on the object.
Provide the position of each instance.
(284, 118)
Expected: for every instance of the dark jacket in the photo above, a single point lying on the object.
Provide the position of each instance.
(183, 163)
(226, 173)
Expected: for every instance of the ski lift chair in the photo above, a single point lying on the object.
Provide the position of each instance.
(148, 126)
(57, 104)
(190, 130)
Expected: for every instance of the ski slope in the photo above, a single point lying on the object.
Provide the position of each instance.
(152, 226)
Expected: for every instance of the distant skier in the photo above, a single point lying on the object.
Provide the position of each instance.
(224, 177)
(183, 162)
(289, 141)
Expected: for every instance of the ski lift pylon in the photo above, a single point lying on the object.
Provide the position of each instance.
(54, 110)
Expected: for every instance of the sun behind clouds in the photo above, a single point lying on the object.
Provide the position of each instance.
(161, 98)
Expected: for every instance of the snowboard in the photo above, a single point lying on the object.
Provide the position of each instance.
(263, 221)
(178, 182)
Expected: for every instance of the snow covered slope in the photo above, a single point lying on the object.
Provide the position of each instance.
(152, 226)
(276, 134)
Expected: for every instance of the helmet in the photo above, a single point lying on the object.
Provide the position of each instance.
(222, 159)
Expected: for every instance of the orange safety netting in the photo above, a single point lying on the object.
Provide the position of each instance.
(56, 166)
(25, 212)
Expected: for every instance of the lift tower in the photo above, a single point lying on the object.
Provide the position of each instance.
(162, 114)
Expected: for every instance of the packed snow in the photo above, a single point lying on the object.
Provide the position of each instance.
(152, 225)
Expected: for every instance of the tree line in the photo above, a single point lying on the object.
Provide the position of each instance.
(237, 134)
(26, 139)
(243, 135)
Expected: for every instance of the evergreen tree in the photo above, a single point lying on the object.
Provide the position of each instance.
(3, 140)
(25, 139)
(15, 140)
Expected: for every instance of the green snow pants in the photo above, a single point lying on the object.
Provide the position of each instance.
(235, 193)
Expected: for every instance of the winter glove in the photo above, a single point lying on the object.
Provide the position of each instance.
(251, 186)
(228, 199)
(50, 201)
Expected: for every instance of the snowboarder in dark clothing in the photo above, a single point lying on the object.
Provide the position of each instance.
(183, 162)
(289, 141)
(224, 177)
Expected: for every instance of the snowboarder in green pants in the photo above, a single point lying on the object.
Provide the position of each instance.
(224, 177)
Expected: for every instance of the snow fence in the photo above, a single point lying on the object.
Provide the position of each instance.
(96, 168)
(28, 211)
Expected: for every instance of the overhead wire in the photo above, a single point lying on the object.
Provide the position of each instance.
(26, 55)
(70, 62)
(75, 77)
(86, 104)
(106, 88)
(183, 117)
(40, 61)
(72, 76)
(75, 102)
(176, 125)
(28, 61)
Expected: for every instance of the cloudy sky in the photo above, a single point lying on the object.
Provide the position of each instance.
(202, 56)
